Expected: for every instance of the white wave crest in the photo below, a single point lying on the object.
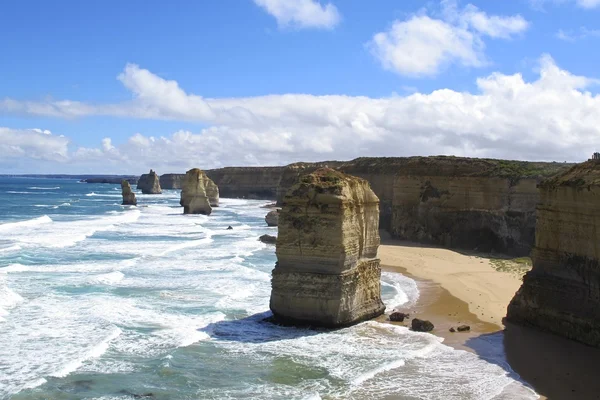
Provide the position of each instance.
(25, 224)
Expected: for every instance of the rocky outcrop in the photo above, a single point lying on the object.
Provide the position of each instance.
(561, 294)
(171, 181)
(272, 218)
(421, 325)
(327, 273)
(128, 195)
(149, 183)
(194, 198)
(212, 191)
(111, 179)
(246, 182)
(268, 239)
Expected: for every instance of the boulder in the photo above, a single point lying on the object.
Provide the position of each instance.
(149, 183)
(128, 195)
(452, 330)
(268, 239)
(272, 218)
(327, 273)
(420, 325)
(229, 228)
(193, 193)
(463, 328)
(398, 316)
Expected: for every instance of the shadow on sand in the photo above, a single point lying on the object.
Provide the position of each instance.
(555, 367)
(257, 328)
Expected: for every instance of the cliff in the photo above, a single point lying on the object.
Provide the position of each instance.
(246, 182)
(128, 195)
(327, 273)
(193, 193)
(171, 181)
(561, 294)
(111, 179)
(149, 183)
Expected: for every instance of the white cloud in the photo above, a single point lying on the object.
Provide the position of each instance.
(586, 4)
(551, 118)
(422, 45)
(301, 13)
(582, 33)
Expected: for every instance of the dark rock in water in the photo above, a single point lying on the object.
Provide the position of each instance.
(135, 395)
(398, 316)
(420, 325)
(229, 228)
(268, 239)
(452, 330)
(149, 183)
(464, 328)
(272, 218)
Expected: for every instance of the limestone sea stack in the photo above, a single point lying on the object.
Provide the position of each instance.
(128, 195)
(194, 198)
(327, 273)
(272, 218)
(149, 183)
(561, 294)
(212, 191)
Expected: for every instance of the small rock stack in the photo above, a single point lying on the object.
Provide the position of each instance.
(128, 195)
(194, 196)
(149, 183)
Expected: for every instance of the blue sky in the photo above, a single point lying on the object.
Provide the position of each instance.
(249, 82)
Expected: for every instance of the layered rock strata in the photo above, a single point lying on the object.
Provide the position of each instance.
(149, 183)
(272, 218)
(194, 198)
(212, 191)
(171, 181)
(327, 273)
(247, 182)
(128, 195)
(561, 294)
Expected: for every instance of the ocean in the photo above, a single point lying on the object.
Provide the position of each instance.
(102, 301)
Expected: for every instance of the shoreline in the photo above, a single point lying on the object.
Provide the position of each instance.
(458, 289)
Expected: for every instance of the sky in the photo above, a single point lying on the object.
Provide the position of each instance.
(122, 87)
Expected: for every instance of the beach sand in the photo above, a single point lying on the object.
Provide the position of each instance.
(458, 288)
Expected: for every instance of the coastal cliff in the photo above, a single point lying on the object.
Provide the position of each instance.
(246, 182)
(327, 273)
(171, 181)
(194, 198)
(561, 294)
(149, 183)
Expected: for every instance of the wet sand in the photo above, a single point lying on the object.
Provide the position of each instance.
(556, 368)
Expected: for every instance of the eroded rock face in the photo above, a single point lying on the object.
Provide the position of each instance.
(272, 218)
(327, 273)
(561, 294)
(149, 183)
(246, 182)
(212, 191)
(128, 195)
(194, 198)
(171, 181)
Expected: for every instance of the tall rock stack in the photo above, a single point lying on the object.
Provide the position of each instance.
(149, 183)
(212, 191)
(327, 273)
(561, 294)
(194, 198)
(128, 195)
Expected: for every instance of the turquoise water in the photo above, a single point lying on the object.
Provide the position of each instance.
(101, 301)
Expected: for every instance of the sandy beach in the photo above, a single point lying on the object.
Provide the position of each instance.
(458, 288)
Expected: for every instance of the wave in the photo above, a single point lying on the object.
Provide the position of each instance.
(406, 290)
(8, 299)
(44, 188)
(27, 223)
(15, 247)
(110, 278)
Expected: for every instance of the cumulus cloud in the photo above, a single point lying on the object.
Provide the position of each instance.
(301, 13)
(422, 45)
(554, 117)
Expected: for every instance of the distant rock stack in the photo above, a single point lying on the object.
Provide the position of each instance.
(149, 183)
(194, 198)
(128, 196)
(212, 191)
(272, 218)
(561, 294)
(327, 273)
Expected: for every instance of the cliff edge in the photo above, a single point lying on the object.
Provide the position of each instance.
(561, 294)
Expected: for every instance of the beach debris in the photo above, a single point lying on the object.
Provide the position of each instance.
(398, 316)
(421, 325)
(268, 239)
(272, 218)
(464, 328)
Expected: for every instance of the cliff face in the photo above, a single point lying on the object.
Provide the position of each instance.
(561, 293)
(128, 195)
(149, 183)
(193, 193)
(212, 191)
(171, 181)
(247, 182)
(327, 273)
